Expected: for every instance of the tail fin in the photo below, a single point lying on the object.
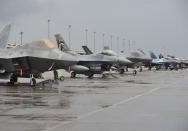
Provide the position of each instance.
(142, 51)
(61, 43)
(4, 35)
(152, 55)
(161, 56)
(87, 50)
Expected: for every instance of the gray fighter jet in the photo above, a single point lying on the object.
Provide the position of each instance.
(140, 59)
(32, 59)
(92, 63)
(169, 62)
(122, 62)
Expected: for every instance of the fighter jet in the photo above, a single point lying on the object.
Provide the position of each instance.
(139, 58)
(92, 63)
(31, 59)
(122, 62)
(168, 62)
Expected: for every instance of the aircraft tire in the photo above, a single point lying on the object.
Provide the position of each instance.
(61, 78)
(73, 74)
(134, 72)
(33, 82)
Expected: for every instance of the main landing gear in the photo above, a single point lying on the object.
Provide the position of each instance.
(134, 72)
(56, 76)
(32, 81)
(73, 74)
(55, 80)
(121, 71)
(13, 79)
(140, 69)
(90, 75)
(126, 69)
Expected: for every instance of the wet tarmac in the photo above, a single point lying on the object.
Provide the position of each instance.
(150, 101)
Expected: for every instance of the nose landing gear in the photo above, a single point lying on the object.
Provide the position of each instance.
(32, 81)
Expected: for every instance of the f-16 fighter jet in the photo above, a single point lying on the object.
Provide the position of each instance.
(122, 62)
(92, 63)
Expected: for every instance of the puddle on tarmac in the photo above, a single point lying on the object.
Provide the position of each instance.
(87, 86)
(137, 82)
(59, 117)
(25, 103)
(105, 106)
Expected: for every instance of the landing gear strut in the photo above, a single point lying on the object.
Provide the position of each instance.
(149, 68)
(90, 75)
(121, 71)
(56, 75)
(134, 72)
(32, 81)
(126, 69)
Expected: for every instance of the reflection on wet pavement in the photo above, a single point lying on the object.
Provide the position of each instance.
(72, 98)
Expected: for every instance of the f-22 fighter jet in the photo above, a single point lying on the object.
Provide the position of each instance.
(31, 59)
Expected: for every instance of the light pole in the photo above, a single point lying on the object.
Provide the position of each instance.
(129, 45)
(103, 35)
(123, 45)
(69, 28)
(21, 34)
(111, 37)
(86, 30)
(134, 44)
(118, 45)
(94, 33)
(49, 28)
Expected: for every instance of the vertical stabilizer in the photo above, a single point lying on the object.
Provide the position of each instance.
(152, 55)
(87, 50)
(61, 43)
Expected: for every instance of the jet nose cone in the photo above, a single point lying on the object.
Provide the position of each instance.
(124, 61)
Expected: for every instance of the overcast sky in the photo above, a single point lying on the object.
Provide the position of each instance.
(158, 25)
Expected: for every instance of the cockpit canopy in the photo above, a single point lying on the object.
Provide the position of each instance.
(136, 54)
(109, 53)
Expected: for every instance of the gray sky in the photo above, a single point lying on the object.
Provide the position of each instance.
(158, 25)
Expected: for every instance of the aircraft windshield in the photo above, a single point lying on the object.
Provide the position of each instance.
(109, 53)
